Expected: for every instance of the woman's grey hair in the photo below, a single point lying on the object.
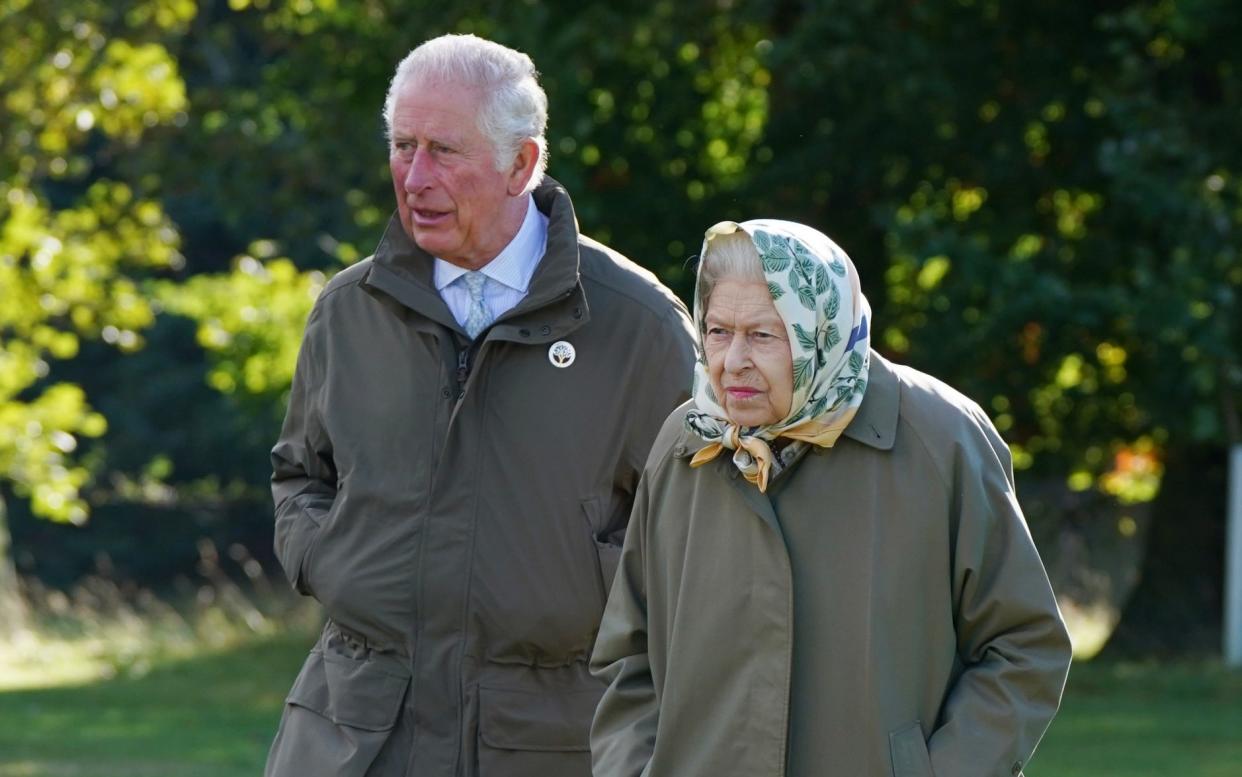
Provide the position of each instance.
(514, 107)
(732, 256)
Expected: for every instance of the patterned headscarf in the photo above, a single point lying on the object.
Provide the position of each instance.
(816, 292)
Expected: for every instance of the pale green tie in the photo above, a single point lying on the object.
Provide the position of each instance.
(477, 317)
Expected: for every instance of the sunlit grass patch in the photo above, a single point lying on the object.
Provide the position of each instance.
(101, 630)
(211, 714)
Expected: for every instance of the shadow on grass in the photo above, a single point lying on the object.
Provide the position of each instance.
(211, 715)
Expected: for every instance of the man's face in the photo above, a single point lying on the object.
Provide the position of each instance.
(452, 200)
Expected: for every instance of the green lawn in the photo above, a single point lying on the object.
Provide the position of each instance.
(1150, 720)
(214, 715)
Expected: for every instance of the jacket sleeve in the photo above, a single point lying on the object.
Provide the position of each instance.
(303, 473)
(624, 730)
(1010, 635)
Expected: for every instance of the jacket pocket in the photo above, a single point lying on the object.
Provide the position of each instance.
(298, 526)
(607, 554)
(908, 749)
(338, 715)
(535, 733)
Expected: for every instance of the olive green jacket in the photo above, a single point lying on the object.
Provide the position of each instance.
(925, 639)
(458, 508)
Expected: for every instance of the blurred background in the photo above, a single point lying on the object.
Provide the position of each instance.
(1044, 201)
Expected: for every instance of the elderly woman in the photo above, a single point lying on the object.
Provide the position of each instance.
(826, 572)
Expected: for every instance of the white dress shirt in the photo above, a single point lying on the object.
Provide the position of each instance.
(508, 275)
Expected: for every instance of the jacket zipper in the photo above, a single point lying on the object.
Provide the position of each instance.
(463, 370)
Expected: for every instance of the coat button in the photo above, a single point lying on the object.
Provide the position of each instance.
(680, 450)
(545, 330)
(444, 392)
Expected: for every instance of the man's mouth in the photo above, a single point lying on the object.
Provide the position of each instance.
(426, 217)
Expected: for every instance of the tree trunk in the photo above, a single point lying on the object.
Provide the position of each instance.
(13, 613)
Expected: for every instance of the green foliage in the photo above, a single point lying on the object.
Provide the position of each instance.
(250, 320)
(74, 93)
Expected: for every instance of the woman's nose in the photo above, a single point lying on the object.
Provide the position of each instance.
(737, 357)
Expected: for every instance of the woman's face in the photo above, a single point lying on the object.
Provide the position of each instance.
(749, 359)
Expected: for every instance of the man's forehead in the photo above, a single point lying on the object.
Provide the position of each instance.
(443, 105)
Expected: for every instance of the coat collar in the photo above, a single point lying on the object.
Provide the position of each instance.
(554, 304)
(874, 425)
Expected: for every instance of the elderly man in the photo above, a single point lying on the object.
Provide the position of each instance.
(470, 414)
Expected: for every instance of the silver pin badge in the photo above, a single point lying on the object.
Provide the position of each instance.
(561, 354)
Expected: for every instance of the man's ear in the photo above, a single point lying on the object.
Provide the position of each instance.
(523, 167)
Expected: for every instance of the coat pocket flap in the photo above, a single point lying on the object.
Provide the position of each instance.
(361, 694)
(550, 721)
(908, 749)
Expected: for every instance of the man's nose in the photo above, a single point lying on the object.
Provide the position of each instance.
(418, 174)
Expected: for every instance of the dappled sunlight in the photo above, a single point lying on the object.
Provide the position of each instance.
(1089, 625)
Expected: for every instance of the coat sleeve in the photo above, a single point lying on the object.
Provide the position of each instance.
(303, 472)
(624, 730)
(1010, 635)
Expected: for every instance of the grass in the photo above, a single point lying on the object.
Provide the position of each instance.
(1146, 720)
(112, 681)
(213, 713)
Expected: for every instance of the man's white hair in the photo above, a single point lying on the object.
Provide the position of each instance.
(513, 108)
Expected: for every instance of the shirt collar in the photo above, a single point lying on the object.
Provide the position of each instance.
(513, 266)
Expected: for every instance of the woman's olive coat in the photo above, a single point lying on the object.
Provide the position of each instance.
(457, 507)
(881, 612)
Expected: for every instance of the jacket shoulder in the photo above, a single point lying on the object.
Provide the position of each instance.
(605, 269)
(350, 277)
(671, 437)
(942, 417)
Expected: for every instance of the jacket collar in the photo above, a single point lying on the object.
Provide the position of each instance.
(554, 304)
(874, 425)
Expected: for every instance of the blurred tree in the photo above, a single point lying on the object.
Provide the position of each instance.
(76, 94)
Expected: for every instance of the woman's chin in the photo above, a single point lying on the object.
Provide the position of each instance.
(750, 417)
